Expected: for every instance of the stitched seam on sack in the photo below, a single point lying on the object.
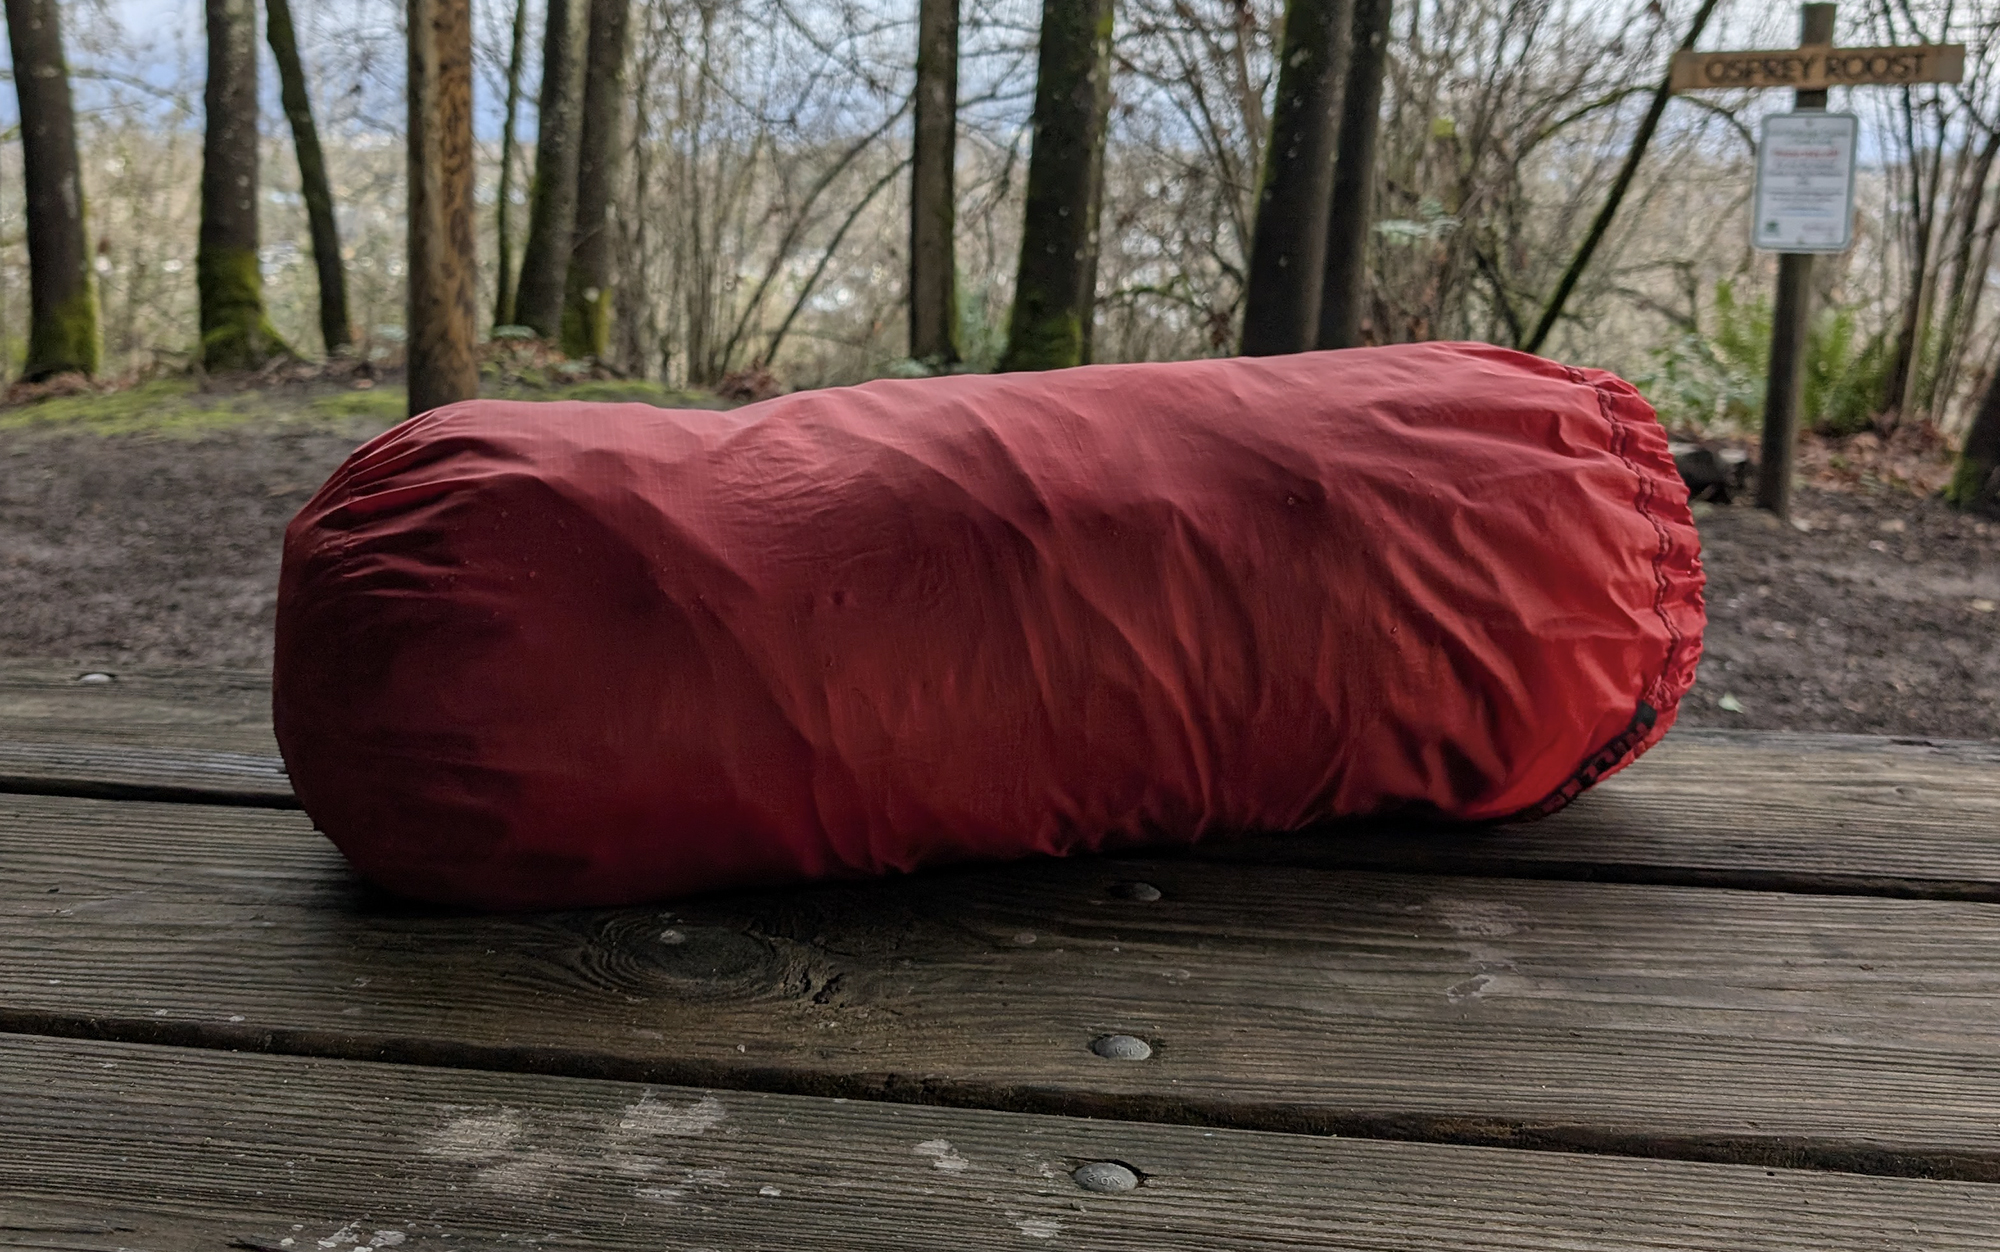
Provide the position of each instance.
(1620, 438)
(1627, 742)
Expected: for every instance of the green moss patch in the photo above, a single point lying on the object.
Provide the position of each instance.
(381, 404)
(619, 391)
(179, 407)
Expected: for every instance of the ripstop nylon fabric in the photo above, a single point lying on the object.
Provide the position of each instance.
(553, 655)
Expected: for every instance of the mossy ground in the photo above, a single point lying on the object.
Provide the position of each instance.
(180, 407)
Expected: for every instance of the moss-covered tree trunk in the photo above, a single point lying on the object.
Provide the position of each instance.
(235, 333)
(1345, 282)
(1975, 482)
(62, 299)
(503, 204)
(1288, 242)
(586, 319)
(442, 257)
(1054, 292)
(933, 187)
(538, 300)
(334, 327)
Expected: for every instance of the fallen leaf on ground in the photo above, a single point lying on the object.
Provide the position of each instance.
(1730, 704)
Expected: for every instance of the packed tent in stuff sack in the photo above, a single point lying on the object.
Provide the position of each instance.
(553, 655)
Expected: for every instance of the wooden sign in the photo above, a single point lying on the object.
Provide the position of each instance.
(1816, 69)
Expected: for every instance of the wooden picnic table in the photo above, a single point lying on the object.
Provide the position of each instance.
(1744, 995)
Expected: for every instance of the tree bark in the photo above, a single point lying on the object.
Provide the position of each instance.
(933, 187)
(442, 368)
(538, 301)
(1288, 242)
(1898, 388)
(235, 332)
(1975, 481)
(503, 282)
(62, 298)
(1054, 292)
(1963, 301)
(1344, 284)
(586, 321)
(334, 327)
(1951, 338)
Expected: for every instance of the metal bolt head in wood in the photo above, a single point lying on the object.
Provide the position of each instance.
(1121, 1047)
(1105, 1177)
(1144, 892)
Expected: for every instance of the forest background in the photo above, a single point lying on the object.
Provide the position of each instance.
(760, 217)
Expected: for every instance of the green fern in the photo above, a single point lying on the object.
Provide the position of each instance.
(1714, 383)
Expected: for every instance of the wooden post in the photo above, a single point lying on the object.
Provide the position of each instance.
(442, 368)
(1809, 69)
(1788, 321)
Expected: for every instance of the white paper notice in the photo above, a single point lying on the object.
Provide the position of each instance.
(1805, 183)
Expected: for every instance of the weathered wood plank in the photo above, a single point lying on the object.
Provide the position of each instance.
(201, 710)
(1720, 1025)
(191, 735)
(124, 772)
(230, 710)
(1847, 814)
(1844, 814)
(145, 733)
(113, 1146)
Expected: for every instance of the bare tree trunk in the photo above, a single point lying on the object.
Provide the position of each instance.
(1552, 311)
(235, 332)
(1975, 482)
(933, 187)
(314, 187)
(1055, 293)
(1288, 243)
(690, 243)
(503, 208)
(586, 320)
(1952, 334)
(1351, 207)
(442, 257)
(638, 311)
(1898, 388)
(538, 301)
(62, 298)
(1093, 212)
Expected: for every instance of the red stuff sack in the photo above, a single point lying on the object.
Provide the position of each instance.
(553, 655)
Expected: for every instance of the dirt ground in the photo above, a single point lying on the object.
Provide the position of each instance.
(1880, 616)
